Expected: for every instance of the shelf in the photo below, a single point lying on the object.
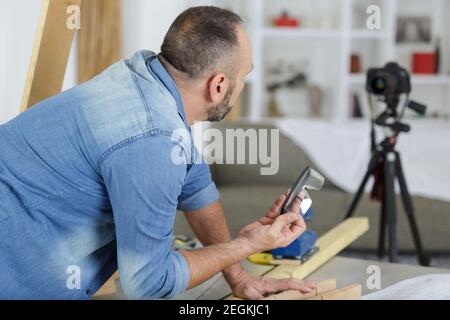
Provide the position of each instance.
(357, 78)
(430, 80)
(360, 79)
(273, 32)
(367, 34)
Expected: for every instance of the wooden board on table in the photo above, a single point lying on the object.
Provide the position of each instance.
(351, 292)
(50, 52)
(330, 244)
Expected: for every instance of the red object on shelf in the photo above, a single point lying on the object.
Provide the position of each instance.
(286, 21)
(424, 62)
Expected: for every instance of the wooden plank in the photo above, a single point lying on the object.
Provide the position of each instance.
(99, 40)
(330, 244)
(50, 52)
(351, 292)
(109, 287)
(322, 287)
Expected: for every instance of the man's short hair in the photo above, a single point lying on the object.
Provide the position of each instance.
(201, 39)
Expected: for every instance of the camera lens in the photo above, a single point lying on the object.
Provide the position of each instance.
(378, 85)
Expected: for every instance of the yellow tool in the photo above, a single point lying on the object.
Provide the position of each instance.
(260, 258)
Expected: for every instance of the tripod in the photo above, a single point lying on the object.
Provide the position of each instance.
(385, 165)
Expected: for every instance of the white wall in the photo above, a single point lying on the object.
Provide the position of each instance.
(145, 22)
(18, 22)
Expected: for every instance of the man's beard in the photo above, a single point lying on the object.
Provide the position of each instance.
(220, 111)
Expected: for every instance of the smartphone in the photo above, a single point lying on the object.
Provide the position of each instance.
(309, 179)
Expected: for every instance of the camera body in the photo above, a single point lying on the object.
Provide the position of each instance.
(389, 81)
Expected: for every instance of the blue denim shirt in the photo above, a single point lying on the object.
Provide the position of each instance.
(88, 184)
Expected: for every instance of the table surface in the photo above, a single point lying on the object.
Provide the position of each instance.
(346, 271)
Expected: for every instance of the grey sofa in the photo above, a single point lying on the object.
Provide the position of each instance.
(246, 195)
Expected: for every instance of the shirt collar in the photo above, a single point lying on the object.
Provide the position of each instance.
(156, 67)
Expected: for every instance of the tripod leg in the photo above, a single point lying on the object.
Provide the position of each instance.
(382, 234)
(371, 167)
(389, 203)
(409, 210)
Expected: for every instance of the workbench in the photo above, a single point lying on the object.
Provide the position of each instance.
(346, 270)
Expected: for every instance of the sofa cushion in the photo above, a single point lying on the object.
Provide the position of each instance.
(246, 203)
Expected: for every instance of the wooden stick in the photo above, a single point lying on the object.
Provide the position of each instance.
(50, 52)
(351, 292)
(330, 244)
(109, 287)
(99, 39)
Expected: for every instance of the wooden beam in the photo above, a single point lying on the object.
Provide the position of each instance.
(322, 287)
(99, 40)
(351, 292)
(330, 244)
(109, 287)
(50, 52)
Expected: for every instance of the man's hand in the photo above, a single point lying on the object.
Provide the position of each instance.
(271, 231)
(248, 286)
(275, 230)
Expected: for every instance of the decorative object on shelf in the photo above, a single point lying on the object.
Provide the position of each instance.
(355, 63)
(356, 107)
(272, 109)
(296, 81)
(285, 20)
(315, 100)
(287, 87)
(413, 30)
(424, 63)
(437, 51)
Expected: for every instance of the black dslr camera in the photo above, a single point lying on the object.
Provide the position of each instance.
(391, 80)
(389, 83)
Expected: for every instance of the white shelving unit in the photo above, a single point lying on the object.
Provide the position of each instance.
(329, 48)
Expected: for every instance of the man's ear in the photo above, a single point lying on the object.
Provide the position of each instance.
(218, 87)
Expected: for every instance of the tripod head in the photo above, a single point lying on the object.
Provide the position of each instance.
(392, 119)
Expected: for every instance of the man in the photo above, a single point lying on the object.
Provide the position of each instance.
(88, 183)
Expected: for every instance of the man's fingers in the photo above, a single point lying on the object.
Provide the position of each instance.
(253, 294)
(300, 222)
(296, 205)
(284, 220)
(276, 206)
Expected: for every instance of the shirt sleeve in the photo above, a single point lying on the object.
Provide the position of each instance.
(143, 185)
(199, 190)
